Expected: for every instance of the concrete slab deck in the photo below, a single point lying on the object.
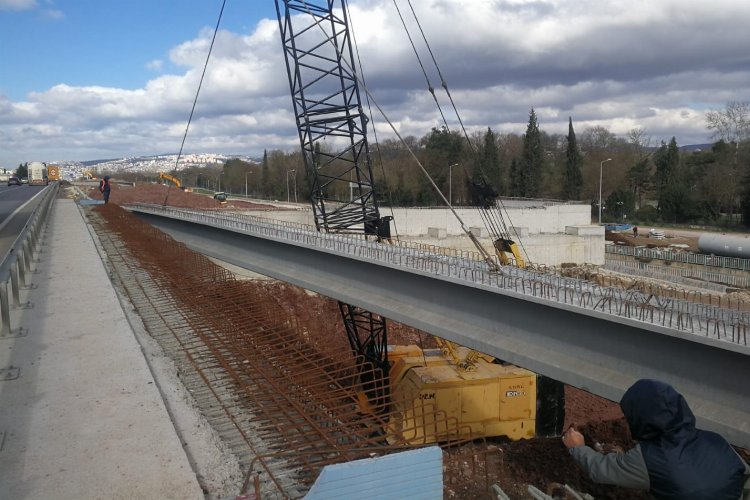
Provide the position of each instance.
(84, 418)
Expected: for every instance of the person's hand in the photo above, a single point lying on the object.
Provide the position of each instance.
(572, 438)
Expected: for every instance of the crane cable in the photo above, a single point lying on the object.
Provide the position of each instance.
(488, 259)
(374, 131)
(419, 59)
(496, 227)
(197, 92)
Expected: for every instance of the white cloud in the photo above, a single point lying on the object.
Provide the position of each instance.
(155, 65)
(54, 14)
(655, 65)
(17, 4)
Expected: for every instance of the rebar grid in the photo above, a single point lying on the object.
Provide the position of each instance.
(709, 317)
(286, 401)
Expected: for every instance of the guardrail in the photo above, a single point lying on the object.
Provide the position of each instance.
(684, 257)
(17, 262)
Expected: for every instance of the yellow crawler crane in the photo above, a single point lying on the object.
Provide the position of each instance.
(432, 389)
(429, 395)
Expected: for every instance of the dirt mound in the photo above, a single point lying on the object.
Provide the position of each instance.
(684, 242)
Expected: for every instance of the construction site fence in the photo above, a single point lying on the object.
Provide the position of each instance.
(684, 257)
(687, 276)
(704, 319)
(18, 262)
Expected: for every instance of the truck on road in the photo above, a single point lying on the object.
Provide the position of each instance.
(37, 173)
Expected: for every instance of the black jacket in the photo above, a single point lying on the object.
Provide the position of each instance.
(673, 459)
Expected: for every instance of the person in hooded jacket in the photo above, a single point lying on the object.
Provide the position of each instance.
(673, 459)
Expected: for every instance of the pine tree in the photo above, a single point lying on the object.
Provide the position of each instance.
(573, 178)
(531, 160)
(667, 160)
(490, 161)
(264, 174)
(516, 187)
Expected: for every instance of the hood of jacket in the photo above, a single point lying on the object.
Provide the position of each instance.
(654, 410)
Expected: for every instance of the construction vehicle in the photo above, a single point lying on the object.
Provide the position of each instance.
(89, 175)
(174, 181)
(53, 172)
(484, 397)
(221, 197)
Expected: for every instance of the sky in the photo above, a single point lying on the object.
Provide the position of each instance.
(95, 79)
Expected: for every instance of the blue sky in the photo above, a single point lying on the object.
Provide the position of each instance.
(108, 43)
(86, 79)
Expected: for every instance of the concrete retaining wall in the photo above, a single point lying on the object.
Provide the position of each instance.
(550, 233)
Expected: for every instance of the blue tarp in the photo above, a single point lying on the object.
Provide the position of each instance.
(618, 227)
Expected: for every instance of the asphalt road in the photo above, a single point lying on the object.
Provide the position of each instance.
(16, 206)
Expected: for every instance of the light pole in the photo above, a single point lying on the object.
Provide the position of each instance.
(601, 166)
(450, 183)
(288, 199)
(246, 174)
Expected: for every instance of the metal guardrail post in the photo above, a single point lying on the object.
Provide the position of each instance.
(18, 261)
(14, 284)
(28, 256)
(4, 310)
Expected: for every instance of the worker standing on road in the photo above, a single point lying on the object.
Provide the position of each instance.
(673, 459)
(635, 231)
(105, 188)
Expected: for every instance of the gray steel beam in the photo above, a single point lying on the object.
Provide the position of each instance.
(598, 352)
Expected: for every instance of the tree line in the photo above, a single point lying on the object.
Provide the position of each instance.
(639, 181)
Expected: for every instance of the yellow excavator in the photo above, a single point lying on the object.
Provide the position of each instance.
(174, 181)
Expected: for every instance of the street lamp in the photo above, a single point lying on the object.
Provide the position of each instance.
(450, 183)
(246, 174)
(601, 166)
(287, 185)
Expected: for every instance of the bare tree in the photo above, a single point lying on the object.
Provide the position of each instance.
(640, 141)
(597, 138)
(732, 123)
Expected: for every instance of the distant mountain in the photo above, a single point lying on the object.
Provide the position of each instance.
(88, 163)
(688, 148)
(696, 147)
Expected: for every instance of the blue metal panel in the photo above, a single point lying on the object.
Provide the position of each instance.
(414, 474)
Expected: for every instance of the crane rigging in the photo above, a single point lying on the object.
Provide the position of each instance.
(325, 89)
(326, 101)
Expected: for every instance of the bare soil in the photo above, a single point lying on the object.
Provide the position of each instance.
(626, 238)
(542, 462)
